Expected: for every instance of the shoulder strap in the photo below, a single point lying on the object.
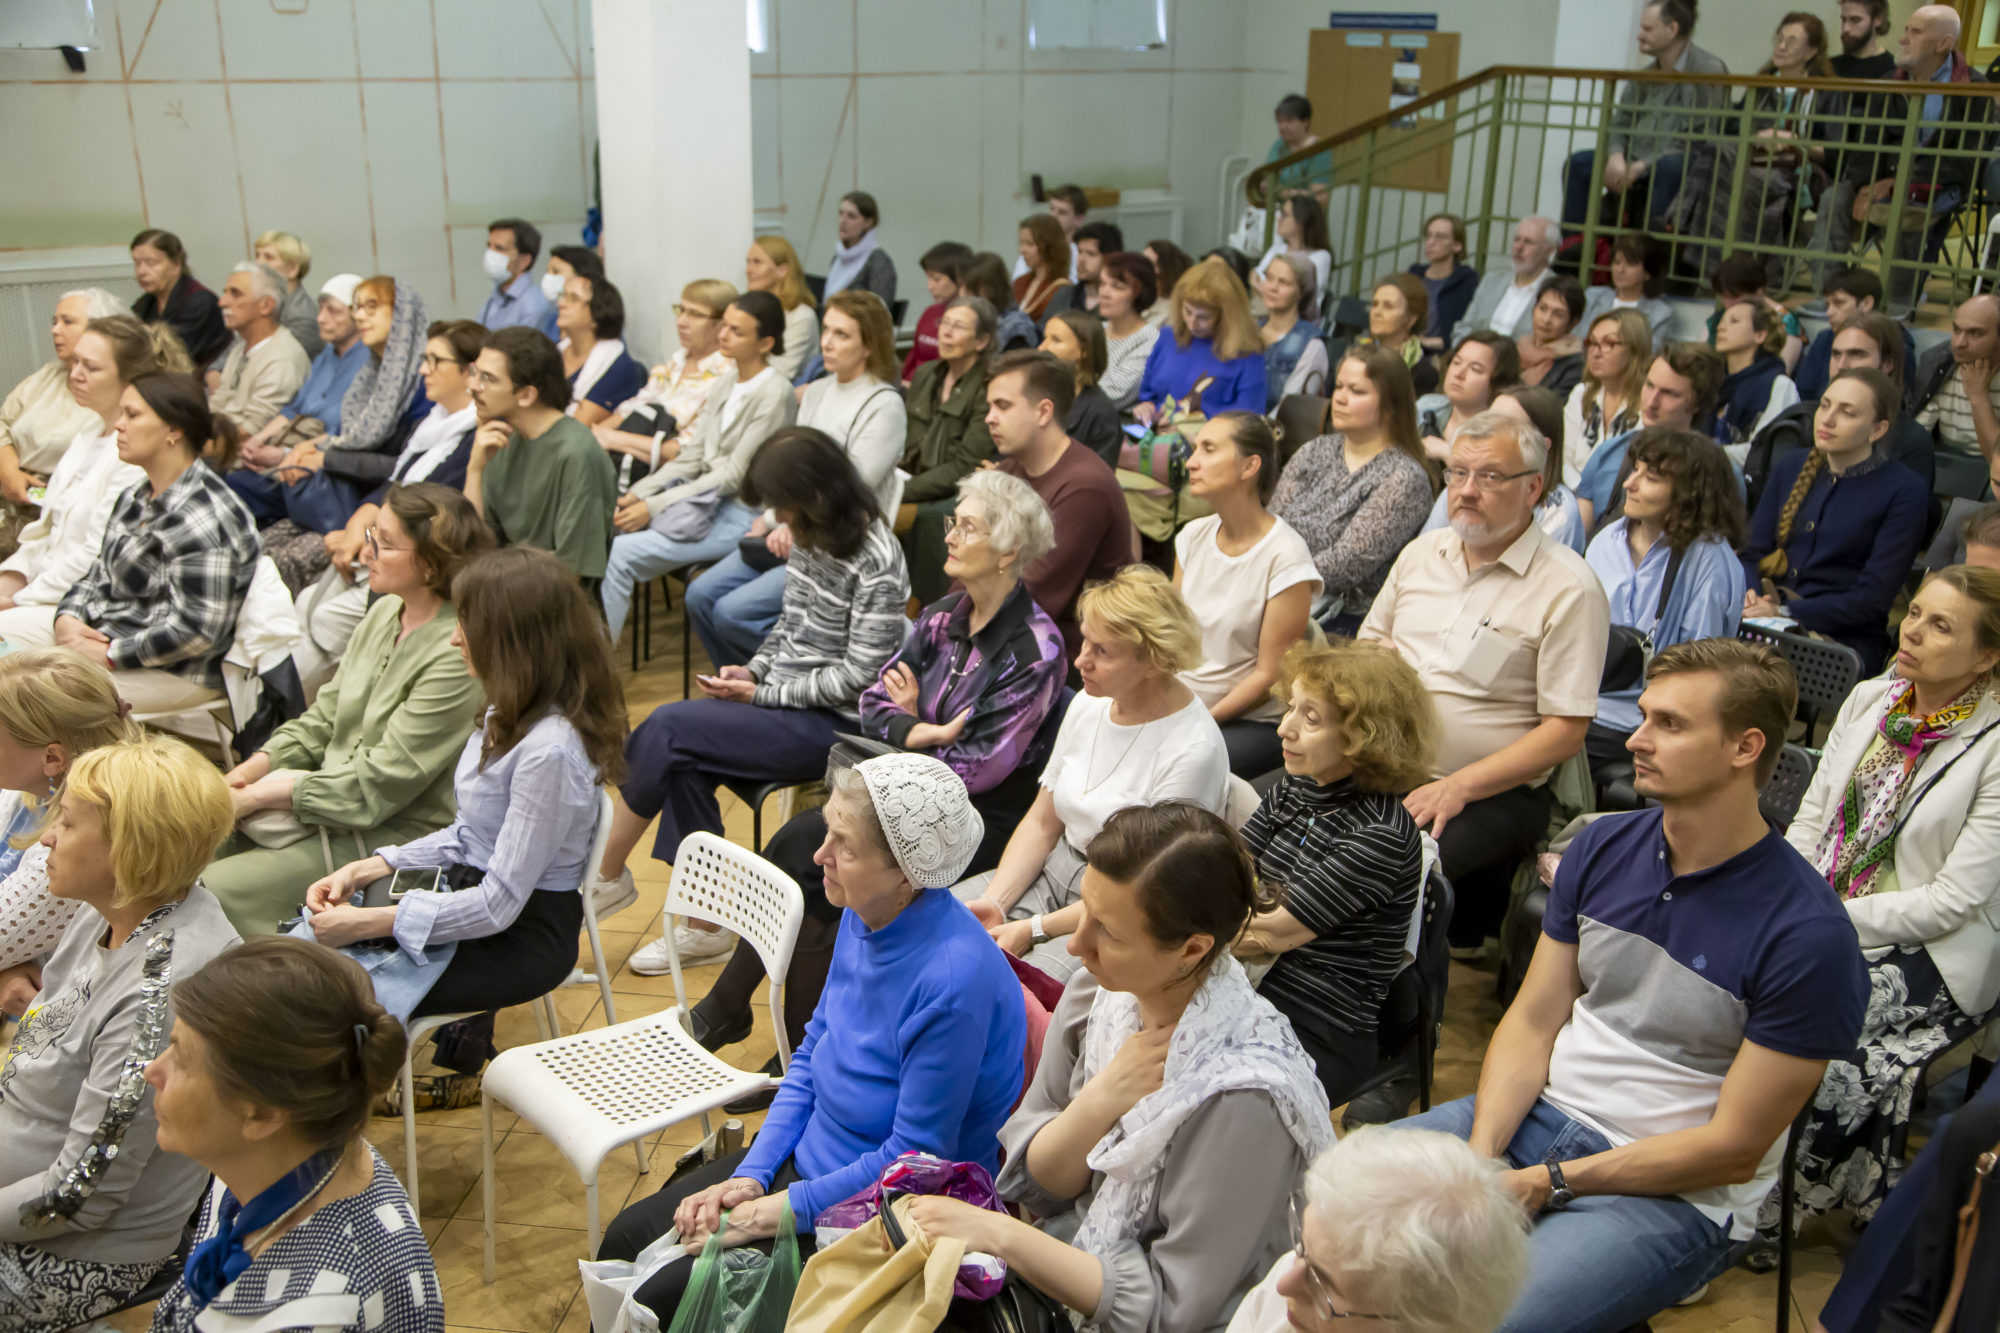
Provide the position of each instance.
(1910, 804)
(1674, 558)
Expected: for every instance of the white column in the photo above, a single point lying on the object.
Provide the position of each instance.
(1589, 35)
(673, 126)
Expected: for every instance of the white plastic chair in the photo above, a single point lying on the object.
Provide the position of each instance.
(546, 1017)
(592, 1092)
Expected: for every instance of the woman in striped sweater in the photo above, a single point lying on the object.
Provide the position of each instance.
(1334, 839)
(773, 718)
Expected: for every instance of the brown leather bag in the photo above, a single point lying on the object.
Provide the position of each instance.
(1968, 1236)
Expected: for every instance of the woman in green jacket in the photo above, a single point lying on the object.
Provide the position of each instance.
(946, 407)
(370, 763)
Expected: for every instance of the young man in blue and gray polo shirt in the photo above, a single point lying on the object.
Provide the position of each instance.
(1693, 979)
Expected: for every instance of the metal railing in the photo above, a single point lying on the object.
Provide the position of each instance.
(1505, 142)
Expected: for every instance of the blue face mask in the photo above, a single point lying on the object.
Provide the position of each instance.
(495, 265)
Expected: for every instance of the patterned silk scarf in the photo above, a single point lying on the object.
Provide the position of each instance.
(1862, 837)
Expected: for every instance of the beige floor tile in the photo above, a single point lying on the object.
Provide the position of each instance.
(447, 1162)
(534, 1183)
(535, 1275)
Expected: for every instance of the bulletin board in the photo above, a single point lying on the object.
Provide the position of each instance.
(1356, 74)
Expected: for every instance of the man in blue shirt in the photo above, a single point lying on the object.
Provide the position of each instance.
(517, 300)
(315, 410)
(1693, 979)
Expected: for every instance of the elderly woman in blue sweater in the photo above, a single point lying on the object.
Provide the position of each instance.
(918, 1043)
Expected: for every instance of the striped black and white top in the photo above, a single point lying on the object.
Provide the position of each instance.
(841, 622)
(1347, 862)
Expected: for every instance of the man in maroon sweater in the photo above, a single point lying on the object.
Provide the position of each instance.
(1028, 398)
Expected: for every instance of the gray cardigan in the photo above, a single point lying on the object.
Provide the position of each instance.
(1486, 300)
(1653, 120)
(1218, 1222)
(75, 1074)
(714, 458)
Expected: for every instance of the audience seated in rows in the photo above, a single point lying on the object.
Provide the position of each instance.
(1839, 526)
(1448, 280)
(1667, 562)
(1479, 367)
(1693, 978)
(1398, 312)
(774, 716)
(1300, 231)
(638, 425)
(1137, 735)
(1045, 253)
(685, 511)
(265, 365)
(1850, 294)
(370, 761)
(537, 476)
(590, 316)
(1358, 494)
(734, 604)
(859, 262)
(92, 1211)
(60, 545)
(1952, 397)
(314, 410)
(1076, 338)
(916, 1044)
(1125, 292)
(40, 416)
(1504, 303)
(1756, 388)
(290, 258)
(1345, 856)
(1678, 391)
(526, 790)
(1210, 336)
(1294, 350)
(1090, 243)
(1741, 279)
(945, 406)
(1638, 276)
(169, 294)
(1250, 582)
(986, 277)
(54, 708)
(1507, 628)
(943, 265)
(1169, 1228)
(773, 266)
(1170, 264)
(1617, 350)
(1551, 353)
(518, 301)
(340, 1243)
(1898, 819)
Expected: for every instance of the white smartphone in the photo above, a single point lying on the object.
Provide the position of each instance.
(415, 880)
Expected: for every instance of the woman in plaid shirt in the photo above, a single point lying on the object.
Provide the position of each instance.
(158, 606)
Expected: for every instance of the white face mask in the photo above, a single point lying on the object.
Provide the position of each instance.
(552, 285)
(495, 265)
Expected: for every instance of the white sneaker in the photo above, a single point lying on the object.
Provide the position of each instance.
(696, 947)
(612, 896)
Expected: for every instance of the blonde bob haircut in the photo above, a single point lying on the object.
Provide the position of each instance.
(290, 249)
(165, 811)
(54, 696)
(1214, 284)
(792, 291)
(1389, 726)
(878, 331)
(1139, 605)
(711, 292)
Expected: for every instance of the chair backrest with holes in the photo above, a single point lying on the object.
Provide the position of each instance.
(1826, 670)
(1781, 795)
(718, 881)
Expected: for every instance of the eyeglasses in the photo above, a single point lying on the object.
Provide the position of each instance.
(1322, 1295)
(1454, 477)
(962, 528)
(430, 362)
(365, 307)
(694, 311)
(375, 544)
(485, 379)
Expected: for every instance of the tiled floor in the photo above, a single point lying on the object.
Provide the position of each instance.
(540, 1204)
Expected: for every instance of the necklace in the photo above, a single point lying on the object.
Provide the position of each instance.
(310, 1195)
(1098, 735)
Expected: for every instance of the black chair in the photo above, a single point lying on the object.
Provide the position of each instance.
(1422, 984)
(1781, 795)
(897, 309)
(754, 794)
(816, 284)
(642, 632)
(1826, 670)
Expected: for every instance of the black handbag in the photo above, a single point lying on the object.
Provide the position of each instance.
(1015, 1308)
(1628, 649)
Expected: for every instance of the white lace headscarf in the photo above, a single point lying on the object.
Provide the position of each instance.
(926, 815)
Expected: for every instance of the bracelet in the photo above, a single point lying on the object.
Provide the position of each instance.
(1035, 929)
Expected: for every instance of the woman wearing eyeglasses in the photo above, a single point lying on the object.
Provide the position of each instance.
(370, 763)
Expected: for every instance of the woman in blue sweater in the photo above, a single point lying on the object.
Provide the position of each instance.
(1214, 338)
(918, 1044)
(1839, 524)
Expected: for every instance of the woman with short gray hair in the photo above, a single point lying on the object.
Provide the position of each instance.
(1397, 1229)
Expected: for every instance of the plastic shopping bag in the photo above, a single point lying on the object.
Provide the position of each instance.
(741, 1290)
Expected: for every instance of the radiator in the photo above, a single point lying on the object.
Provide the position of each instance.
(32, 281)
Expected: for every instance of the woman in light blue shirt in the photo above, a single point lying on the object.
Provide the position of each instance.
(1668, 563)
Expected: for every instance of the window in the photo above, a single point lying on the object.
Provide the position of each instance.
(1129, 25)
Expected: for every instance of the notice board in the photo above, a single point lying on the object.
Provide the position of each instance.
(1356, 74)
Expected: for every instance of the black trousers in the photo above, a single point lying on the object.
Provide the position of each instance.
(647, 1220)
(1344, 1060)
(1480, 850)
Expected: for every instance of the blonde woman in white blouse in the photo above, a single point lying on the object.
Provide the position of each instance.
(639, 427)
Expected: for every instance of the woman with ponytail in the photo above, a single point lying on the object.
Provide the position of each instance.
(1839, 524)
(305, 1224)
(158, 606)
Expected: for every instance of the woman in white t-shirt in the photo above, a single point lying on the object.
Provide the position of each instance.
(1249, 578)
(1136, 736)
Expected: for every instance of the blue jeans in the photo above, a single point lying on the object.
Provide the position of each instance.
(1661, 185)
(637, 557)
(733, 607)
(1606, 1261)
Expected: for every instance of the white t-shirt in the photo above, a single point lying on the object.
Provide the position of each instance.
(1514, 306)
(1098, 767)
(1228, 593)
(739, 394)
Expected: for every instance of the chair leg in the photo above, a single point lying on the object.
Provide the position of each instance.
(590, 1211)
(551, 1018)
(410, 1137)
(486, 1175)
(645, 1158)
(687, 651)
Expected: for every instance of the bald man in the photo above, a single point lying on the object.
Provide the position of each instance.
(1954, 394)
(1951, 134)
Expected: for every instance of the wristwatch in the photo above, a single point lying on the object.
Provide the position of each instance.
(1039, 936)
(1560, 1194)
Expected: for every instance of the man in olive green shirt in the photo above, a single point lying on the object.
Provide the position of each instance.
(539, 477)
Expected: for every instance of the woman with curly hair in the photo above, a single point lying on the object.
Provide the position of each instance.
(1668, 563)
(1333, 837)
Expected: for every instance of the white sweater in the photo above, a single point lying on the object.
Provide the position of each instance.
(57, 548)
(866, 418)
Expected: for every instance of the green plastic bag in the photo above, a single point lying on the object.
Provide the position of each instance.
(741, 1290)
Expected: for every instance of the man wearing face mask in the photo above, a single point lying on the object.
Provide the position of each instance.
(517, 300)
